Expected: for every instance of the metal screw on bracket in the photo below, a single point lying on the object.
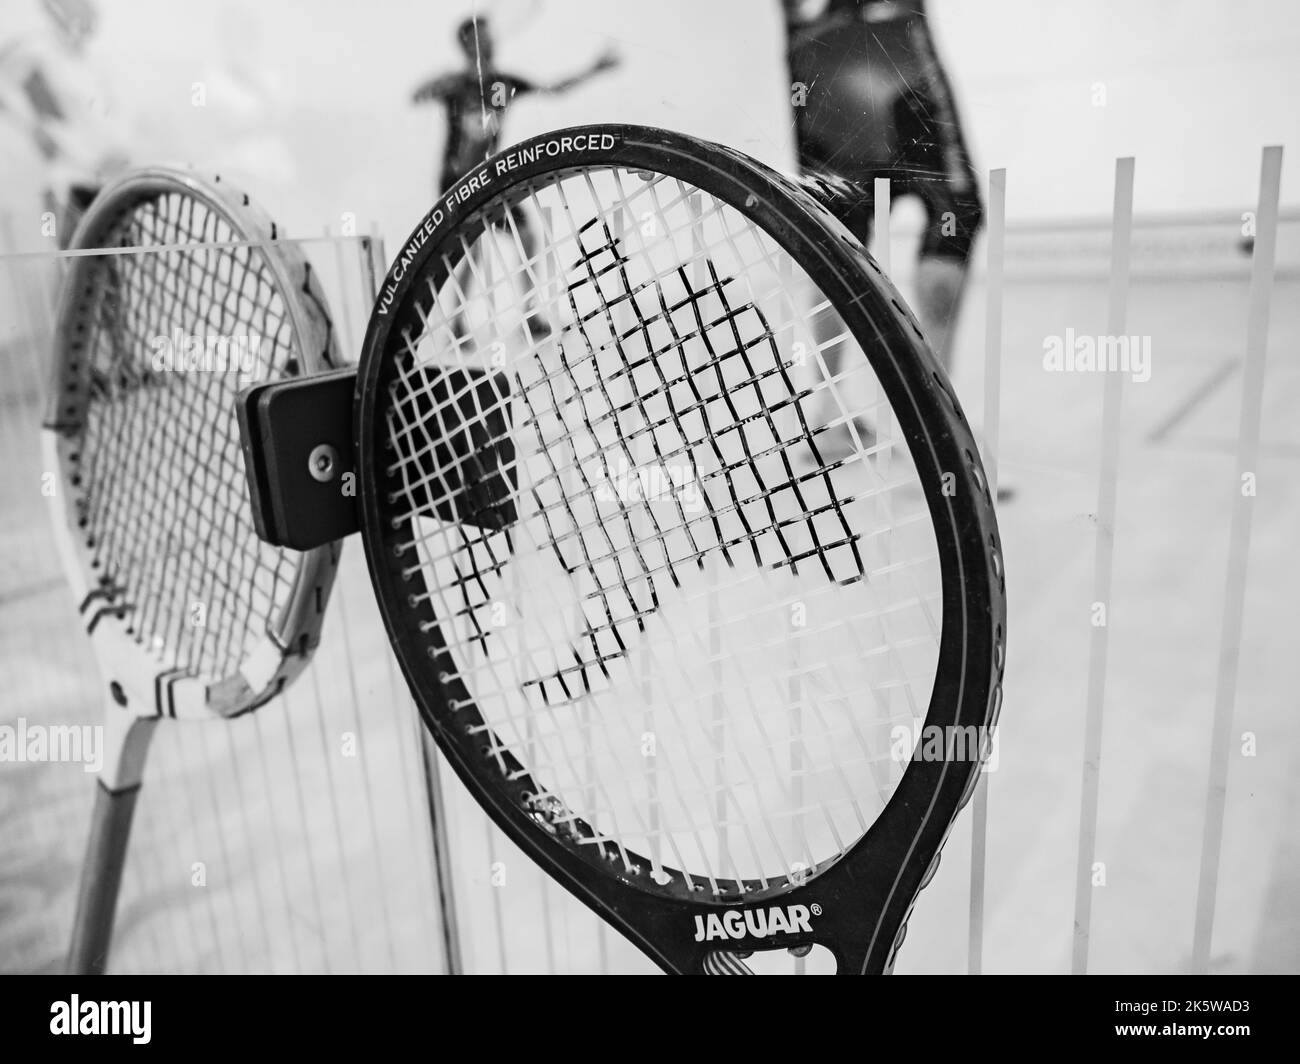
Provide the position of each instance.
(322, 462)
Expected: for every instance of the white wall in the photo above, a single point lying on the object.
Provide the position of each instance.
(307, 99)
(1193, 89)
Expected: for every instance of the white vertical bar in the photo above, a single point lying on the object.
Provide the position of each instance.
(700, 281)
(373, 260)
(994, 256)
(349, 337)
(799, 838)
(882, 415)
(881, 200)
(495, 891)
(1252, 395)
(1121, 232)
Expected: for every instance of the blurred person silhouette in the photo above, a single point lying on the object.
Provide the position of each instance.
(478, 96)
(50, 93)
(476, 99)
(871, 99)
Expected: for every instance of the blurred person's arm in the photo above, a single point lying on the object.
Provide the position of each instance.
(606, 61)
(434, 90)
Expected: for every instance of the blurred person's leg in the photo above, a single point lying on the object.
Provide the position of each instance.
(939, 286)
(936, 167)
(941, 174)
(878, 105)
(954, 215)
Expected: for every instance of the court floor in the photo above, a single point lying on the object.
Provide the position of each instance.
(317, 860)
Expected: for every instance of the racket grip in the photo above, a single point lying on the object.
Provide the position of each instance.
(101, 876)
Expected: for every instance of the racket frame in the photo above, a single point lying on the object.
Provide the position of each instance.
(141, 687)
(850, 907)
(151, 689)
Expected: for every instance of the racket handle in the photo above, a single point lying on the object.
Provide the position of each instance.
(101, 875)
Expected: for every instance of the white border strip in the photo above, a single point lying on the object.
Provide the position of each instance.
(1252, 395)
(881, 192)
(1103, 566)
(994, 251)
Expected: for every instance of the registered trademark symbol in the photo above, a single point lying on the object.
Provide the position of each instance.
(816, 909)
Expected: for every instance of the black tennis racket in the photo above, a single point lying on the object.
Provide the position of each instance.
(190, 615)
(683, 543)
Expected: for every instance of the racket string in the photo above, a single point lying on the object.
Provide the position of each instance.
(594, 588)
(163, 489)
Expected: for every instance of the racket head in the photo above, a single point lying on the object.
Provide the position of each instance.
(189, 613)
(458, 518)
